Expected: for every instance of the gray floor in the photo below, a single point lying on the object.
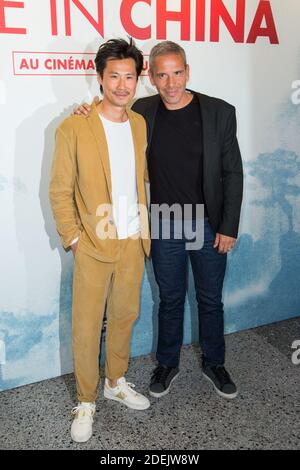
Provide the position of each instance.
(265, 415)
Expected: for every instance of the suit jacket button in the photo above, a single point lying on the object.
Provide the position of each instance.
(111, 222)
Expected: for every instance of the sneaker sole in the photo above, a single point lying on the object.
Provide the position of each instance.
(224, 395)
(133, 407)
(165, 392)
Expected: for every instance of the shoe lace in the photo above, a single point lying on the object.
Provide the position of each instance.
(130, 386)
(82, 411)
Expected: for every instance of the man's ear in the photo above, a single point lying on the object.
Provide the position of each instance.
(187, 71)
(150, 77)
(99, 79)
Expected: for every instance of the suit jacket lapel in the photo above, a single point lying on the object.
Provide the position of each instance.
(207, 132)
(150, 116)
(137, 150)
(99, 134)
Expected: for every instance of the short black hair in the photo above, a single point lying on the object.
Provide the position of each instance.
(115, 49)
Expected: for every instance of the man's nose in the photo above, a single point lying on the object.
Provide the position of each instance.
(122, 82)
(171, 82)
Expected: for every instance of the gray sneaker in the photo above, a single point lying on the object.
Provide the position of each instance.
(162, 379)
(221, 381)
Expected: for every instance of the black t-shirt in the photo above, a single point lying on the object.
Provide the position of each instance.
(176, 156)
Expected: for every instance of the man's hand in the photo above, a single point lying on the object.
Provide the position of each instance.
(224, 243)
(85, 109)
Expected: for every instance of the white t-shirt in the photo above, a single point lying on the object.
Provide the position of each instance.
(123, 176)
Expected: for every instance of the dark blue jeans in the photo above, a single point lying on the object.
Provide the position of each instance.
(170, 263)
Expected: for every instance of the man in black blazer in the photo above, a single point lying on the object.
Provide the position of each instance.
(193, 160)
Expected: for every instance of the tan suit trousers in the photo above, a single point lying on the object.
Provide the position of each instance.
(97, 285)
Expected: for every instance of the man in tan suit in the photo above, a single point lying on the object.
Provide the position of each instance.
(98, 198)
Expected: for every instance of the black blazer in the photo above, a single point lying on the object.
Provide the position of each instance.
(222, 163)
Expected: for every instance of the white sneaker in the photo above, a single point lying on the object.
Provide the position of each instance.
(82, 426)
(124, 394)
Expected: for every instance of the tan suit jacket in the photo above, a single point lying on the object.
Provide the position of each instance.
(80, 184)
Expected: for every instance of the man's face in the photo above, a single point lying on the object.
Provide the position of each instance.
(169, 76)
(119, 81)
